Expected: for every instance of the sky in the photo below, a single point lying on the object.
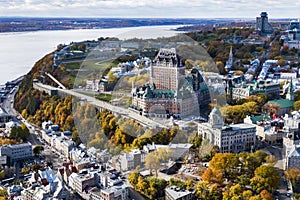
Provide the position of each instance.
(151, 8)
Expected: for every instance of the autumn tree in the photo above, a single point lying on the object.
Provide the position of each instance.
(152, 162)
(265, 177)
(3, 193)
(226, 162)
(164, 154)
(297, 105)
(235, 192)
(211, 176)
(266, 195)
(293, 174)
(133, 177)
(271, 108)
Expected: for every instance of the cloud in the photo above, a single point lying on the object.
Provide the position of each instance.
(153, 8)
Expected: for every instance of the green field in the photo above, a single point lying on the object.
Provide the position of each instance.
(104, 97)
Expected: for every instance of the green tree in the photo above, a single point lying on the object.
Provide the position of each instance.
(266, 177)
(37, 150)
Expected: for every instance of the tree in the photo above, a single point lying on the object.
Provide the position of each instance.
(4, 193)
(226, 162)
(205, 148)
(266, 177)
(293, 174)
(133, 177)
(37, 150)
(271, 108)
(271, 160)
(202, 190)
(247, 194)
(19, 132)
(152, 162)
(266, 195)
(297, 105)
(164, 154)
(211, 176)
(141, 184)
(196, 141)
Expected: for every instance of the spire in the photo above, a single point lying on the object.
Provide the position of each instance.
(230, 59)
(229, 62)
(290, 93)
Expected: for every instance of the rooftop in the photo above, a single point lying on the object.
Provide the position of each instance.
(177, 192)
(284, 103)
(240, 126)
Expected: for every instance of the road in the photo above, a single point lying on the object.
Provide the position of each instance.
(7, 104)
(284, 189)
(102, 104)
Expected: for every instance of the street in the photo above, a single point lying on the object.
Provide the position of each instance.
(283, 193)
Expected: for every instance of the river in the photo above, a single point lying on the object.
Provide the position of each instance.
(20, 50)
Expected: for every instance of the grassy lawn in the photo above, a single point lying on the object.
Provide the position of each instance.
(75, 65)
(104, 97)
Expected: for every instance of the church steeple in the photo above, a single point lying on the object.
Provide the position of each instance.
(230, 59)
(229, 62)
(290, 93)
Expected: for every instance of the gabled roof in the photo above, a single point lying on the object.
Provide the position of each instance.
(295, 152)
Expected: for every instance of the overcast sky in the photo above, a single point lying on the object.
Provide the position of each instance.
(151, 8)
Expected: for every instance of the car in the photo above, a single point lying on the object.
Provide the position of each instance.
(288, 194)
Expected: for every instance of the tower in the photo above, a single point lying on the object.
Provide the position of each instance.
(215, 118)
(229, 62)
(230, 59)
(290, 93)
(263, 25)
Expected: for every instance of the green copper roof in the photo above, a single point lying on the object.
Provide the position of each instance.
(284, 103)
(259, 118)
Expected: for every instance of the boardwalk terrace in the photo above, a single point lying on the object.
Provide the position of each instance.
(170, 92)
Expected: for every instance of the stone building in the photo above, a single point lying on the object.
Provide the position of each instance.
(170, 91)
(232, 138)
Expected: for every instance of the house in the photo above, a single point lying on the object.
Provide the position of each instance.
(176, 193)
(179, 151)
(286, 106)
(293, 158)
(131, 160)
(267, 130)
(4, 117)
